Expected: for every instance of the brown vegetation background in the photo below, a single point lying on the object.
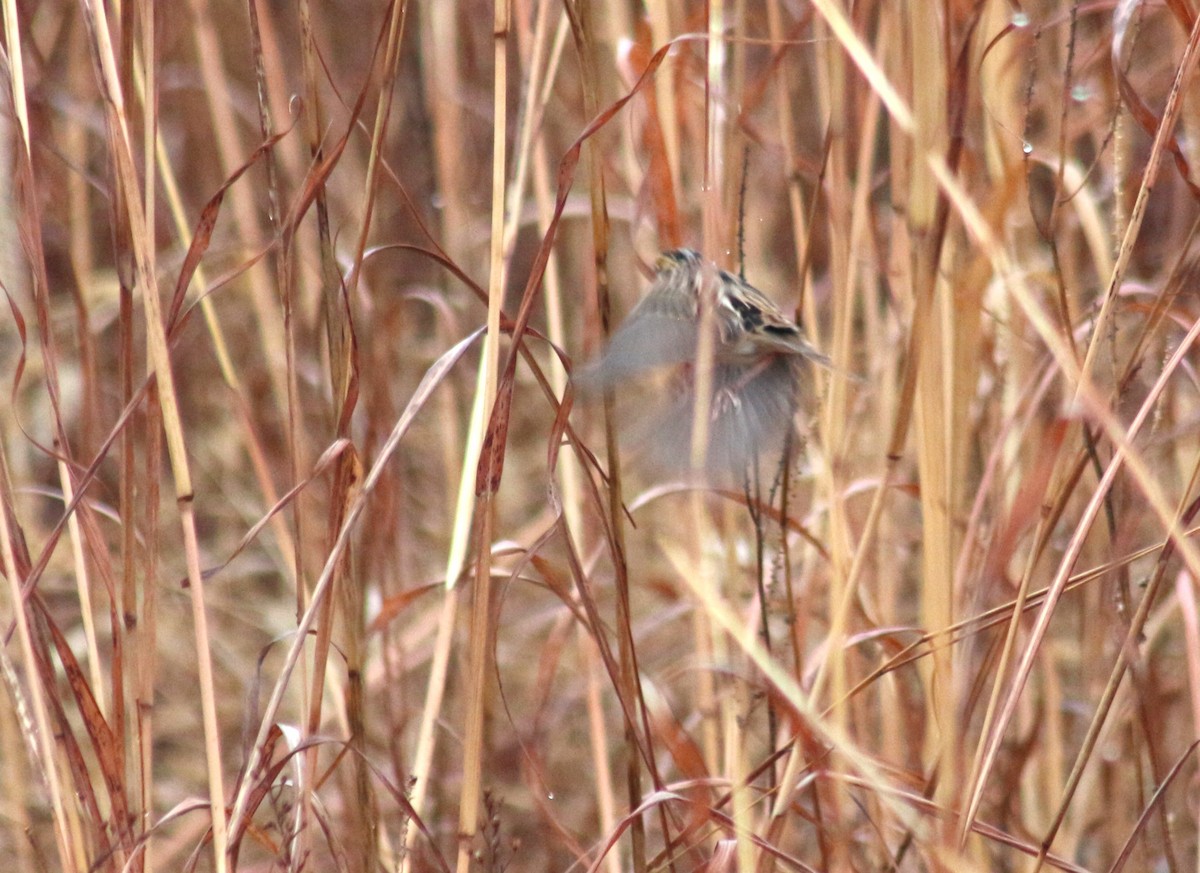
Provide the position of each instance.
(302, 572)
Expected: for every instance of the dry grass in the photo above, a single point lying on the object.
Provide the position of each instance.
(292, 291)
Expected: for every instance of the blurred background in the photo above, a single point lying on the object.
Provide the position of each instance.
(294, 581)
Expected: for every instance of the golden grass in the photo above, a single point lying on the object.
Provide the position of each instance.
(311, 562)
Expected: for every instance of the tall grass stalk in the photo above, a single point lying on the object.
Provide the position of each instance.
(294, 295)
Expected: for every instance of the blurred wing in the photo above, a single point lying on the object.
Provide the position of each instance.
(646, 341)
(659, 332)
(751, 415)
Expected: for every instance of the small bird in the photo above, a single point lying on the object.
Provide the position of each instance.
(758, 359)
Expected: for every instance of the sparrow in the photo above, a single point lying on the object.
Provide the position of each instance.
(759, 356)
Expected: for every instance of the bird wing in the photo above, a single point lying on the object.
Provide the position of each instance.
(646, 341)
